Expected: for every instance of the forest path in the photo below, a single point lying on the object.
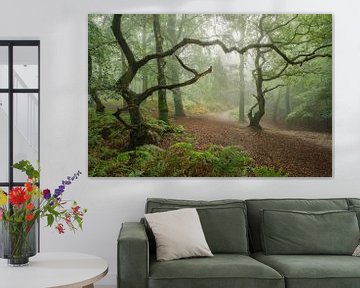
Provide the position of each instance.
(300, 153)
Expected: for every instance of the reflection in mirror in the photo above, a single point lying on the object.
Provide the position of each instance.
(4, 67)
(26, 74)
(26, 130)
(4, 137)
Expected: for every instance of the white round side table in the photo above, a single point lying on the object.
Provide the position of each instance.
(54, 270)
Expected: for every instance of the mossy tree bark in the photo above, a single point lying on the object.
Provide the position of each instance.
(162, 101)
(174, 71)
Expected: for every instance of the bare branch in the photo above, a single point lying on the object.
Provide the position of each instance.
(296, 33)
(187, 41)
(279, 74)
(186, 67)
(153, 89)
(313, 54)
(282, 25)
(273, 88)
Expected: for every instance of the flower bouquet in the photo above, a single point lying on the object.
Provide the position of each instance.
(21, 208)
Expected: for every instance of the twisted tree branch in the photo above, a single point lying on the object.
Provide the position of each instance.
(196, 77)
(273, 88)
(116, 28)
(279, 74)
(120, 119)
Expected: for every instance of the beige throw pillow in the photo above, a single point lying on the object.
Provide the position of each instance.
(357, 251)
(178, 234)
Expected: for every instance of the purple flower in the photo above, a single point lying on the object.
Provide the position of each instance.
(58, 192)
(68, 181)
(46, 194)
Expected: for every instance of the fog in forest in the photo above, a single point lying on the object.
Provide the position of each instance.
(210, 95)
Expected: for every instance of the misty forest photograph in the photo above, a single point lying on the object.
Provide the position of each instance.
(210, 95)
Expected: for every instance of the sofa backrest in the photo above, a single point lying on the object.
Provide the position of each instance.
(223, 221)
(256, 205)
(353, 202)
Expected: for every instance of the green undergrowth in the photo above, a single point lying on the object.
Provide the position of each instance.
(179, 158)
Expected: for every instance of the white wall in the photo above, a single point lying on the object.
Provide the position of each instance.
(62, 28)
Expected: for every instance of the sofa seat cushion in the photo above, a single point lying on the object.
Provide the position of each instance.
(313, 271)
(222, 270)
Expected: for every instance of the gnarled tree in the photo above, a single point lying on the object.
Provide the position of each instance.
(297, 49)
(137, 126)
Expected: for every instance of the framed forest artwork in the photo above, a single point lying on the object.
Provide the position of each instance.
(207, 95)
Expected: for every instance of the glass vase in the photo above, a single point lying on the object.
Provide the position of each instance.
(18, 242)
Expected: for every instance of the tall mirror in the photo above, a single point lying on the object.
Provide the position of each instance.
(19, 108)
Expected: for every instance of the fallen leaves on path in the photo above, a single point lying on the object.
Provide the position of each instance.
(299, 153)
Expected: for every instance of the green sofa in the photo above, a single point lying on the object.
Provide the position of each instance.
(233, 230)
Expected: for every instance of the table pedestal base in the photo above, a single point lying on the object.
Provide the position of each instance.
(89, 286)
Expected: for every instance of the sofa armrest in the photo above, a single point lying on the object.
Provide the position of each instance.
(133, 256)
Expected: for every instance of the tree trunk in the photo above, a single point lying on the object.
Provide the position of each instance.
(144, 72)
(287, 101)
(162, 103)
(242, 25)
(276, 107)
(174, 72)
(179, 107)
(138, 133)
(255, 119)
(145, 81)
(123, 69)
(99, 106)
(242, 90)
(287, 104)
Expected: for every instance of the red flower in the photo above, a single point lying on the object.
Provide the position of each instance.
(17, 196)
(75, 209)
(29, 186)
(29, 217)
(29, 206)
(27, 196)
(60, 228)
(68, 219)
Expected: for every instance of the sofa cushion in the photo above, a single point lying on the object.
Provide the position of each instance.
(313, 271)
(356, 209)
(254, 206)
(353, 201)
(297, 232)
(222, 270)
(178, 234)
(223, 221)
